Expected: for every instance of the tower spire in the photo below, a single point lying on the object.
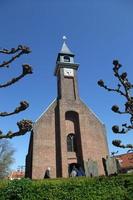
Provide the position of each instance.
(65, 49)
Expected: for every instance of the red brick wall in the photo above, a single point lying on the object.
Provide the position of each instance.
(50, 139)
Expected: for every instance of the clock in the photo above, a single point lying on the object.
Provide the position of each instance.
(68, 72)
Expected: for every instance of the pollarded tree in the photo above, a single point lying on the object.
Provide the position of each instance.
(6, 157)
(123, 88)
(14, 53)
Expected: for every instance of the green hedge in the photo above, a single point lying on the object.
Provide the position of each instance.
(103, 188)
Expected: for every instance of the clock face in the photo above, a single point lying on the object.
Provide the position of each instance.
(68, 72)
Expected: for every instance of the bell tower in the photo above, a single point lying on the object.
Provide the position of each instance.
(66, 72)
(67, 133)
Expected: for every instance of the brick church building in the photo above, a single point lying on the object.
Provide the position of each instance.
(68, 133)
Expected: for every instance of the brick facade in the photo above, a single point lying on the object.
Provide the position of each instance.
(66, 115)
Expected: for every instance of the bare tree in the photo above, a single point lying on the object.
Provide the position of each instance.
(6, 157)
(123, 88)
(14, 53)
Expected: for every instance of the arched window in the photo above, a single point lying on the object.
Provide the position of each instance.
(66, 59)
(71, 142)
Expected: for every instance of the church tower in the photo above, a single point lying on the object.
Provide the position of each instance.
(68, 133)
(65, 71)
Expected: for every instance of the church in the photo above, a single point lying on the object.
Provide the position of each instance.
(68, 133)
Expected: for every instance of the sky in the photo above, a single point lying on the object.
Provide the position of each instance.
(97, 32)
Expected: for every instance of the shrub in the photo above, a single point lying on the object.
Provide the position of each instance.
(102, 188)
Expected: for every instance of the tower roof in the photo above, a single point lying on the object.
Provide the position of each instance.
(65, 49)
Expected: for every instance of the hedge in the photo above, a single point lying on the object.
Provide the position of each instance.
(102, 188)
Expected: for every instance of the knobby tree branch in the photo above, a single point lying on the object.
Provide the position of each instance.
(118, 143)
(14, 53)
(24, 126)
(23, 106)
(123, 88)
(26, 70)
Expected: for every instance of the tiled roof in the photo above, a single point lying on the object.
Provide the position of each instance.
(126, 160)
(16, 175)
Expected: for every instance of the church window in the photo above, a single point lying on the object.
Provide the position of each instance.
(66, 59)
(71, 142)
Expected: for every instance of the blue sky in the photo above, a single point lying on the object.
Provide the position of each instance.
(97, 32)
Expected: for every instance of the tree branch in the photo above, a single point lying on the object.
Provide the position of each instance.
(124, 130)
(26, 70)
(15, 50)
(127, 86)
(122, 78)
(14, 53)
(23, 106)
(24, 126)
(117, 143)
(20, 50)
(115, 109)
(114, 153)
(101, 84)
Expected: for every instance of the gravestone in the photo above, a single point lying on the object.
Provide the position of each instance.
(91, 168)
(111, 165)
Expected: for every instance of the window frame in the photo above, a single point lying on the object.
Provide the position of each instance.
(71, 142)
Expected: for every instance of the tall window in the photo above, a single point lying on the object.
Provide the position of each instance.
(71, 142)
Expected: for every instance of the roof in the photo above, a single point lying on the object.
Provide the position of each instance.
(125, 160)
(54, 101)
(65, 49)
(16, 175)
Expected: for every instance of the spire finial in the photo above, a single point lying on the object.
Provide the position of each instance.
(64, 38)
